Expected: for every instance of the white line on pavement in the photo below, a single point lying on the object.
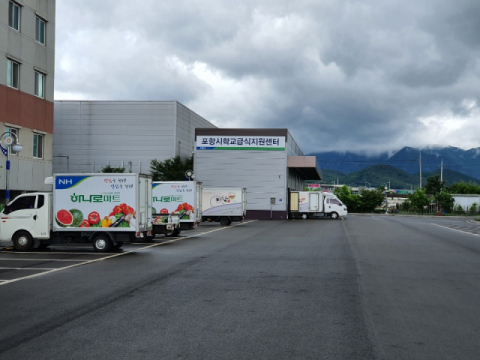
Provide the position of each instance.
(117, 255)
(51, 253)
(71, 260)
(446, 227)
(29, 268)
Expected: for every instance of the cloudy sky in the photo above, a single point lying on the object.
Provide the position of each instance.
(340, 75)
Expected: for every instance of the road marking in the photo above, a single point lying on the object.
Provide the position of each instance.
(49, 253)
(189, 237)
(446, 227)
(30, 268)
(117, 255)
(73, 260)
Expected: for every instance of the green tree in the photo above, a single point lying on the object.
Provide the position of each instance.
(434, 186)
(370, 199)
(172, 169)
(418, 200)
(351, 200)
(473, 209)
(109, 169)
(459, 210)
(463, 188)
(445, 200)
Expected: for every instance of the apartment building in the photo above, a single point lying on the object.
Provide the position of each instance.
(27, 63)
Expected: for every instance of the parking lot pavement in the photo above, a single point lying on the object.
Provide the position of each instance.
(16, 266)
(470, 227)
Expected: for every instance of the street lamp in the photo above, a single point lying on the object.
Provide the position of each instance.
(9, 141)
(386, 198)
(189, 175)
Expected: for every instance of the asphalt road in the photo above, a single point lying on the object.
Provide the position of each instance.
(368, 287)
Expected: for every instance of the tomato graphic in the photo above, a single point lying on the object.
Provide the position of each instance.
(164, 211)
(85, 223)
(93, 218)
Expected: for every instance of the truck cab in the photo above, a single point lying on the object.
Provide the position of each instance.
(26, 218)
(334, 207)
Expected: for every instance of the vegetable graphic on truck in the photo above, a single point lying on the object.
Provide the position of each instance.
(180, 199)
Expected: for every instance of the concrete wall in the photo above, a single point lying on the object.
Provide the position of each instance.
(263, 173)
(466, 201)
(187, 122)
(94, 134)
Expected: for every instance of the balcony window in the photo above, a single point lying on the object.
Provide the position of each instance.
(38, 146)
(12, 73)
(39, 84)
(14, 15)
(40, 31)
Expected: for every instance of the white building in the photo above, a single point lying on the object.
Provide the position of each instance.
(267, 162)
(89, 135)
(466, 201)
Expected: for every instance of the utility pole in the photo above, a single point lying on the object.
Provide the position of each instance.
(420, 169)
(441, 171)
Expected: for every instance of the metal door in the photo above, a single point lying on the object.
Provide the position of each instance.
(313, 200)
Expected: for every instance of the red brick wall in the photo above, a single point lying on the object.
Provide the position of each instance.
(26, 110)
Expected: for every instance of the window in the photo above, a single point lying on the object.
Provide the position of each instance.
(335, 201)
(38, 146)
(21, 203)
(12, 73)
(14, 15)
(40, 31)
(40, 201)
(39, 84)
(15, 132)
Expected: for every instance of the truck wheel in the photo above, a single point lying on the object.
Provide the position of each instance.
(22, 241)
(334, 215)
(170, 233)
(304, 216)
(224, 221)
(102, 243)
(176, 232)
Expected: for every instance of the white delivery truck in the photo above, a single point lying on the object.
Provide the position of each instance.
(224, 204)
(104, 209)
(177, 199)
(303, 204)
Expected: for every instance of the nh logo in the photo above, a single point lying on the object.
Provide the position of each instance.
(65, 181)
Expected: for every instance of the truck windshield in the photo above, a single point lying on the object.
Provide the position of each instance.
(24, 202)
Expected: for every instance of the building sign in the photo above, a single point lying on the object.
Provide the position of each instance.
(312, 185)
(266, 143)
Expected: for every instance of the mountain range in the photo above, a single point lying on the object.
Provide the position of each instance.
(401, 168)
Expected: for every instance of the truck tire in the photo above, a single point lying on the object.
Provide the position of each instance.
(224, 221)
(334, 215)
(170, 233)
(304, 216)
(22, 241)
(102, 243)
(177, 232)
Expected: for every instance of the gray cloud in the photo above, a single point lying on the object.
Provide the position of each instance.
(345, 75)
